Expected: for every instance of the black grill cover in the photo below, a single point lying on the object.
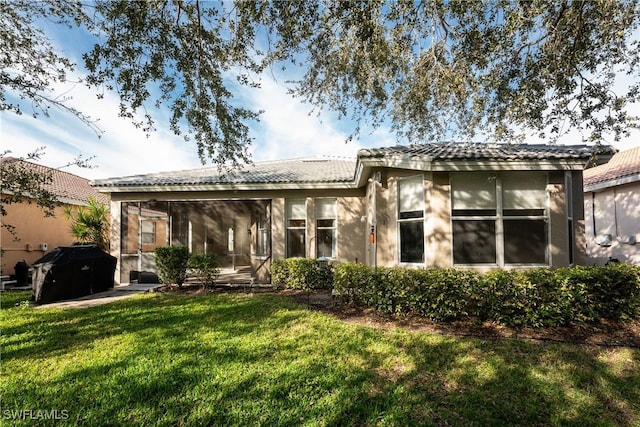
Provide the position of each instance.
(72, 271)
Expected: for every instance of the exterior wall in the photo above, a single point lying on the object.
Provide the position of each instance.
(439, 241)
(558, 228)
(614, 211)
(32, 229)
(352, 232)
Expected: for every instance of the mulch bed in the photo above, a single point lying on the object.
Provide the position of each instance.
(606, 333)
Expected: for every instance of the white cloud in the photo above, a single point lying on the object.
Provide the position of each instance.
(121, 150)
(288, 130)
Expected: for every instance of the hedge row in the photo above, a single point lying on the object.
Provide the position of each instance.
(300, 273)
(536, 297)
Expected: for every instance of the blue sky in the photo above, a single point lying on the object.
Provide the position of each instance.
(286, 130)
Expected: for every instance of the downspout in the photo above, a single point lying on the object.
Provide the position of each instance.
(593, 212)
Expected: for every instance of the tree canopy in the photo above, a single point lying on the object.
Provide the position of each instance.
(432, 70)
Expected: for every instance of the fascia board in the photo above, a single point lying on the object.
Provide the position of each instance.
(399, 162)
(361, 174)
(504, 165)
(226, 187)
(428, 164)
(612, 183)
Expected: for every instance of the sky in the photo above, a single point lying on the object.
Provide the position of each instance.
(287, 129)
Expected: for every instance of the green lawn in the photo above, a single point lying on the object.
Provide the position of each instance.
(263, 360)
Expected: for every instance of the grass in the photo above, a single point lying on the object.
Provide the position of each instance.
(263, 360)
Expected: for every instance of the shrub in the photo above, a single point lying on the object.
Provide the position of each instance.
(205, 267)
(300, 273)
(355, 283)
(172, 262)
(531, 298)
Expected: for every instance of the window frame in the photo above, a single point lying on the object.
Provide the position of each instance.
(417, 219)
(334, 228)
(501, 218)
(289, 228)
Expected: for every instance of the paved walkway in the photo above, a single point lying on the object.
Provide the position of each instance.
(115, 294)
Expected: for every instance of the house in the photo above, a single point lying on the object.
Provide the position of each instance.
(470, 205)
(36, 233)
(612, 209)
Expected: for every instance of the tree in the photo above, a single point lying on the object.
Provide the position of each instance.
(433, 69)
(90, 224)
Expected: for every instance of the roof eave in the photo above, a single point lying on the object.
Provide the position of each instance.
(226, 187)
(506, 165)
(428, 163)
(603, 185)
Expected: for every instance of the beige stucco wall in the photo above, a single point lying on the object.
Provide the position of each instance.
(439, 240)
(33, 229)
(617, 213)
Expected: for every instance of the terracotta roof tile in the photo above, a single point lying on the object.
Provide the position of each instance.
(623, 164)
(69, 188)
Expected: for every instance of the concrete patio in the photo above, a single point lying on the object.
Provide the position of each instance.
(115, 294)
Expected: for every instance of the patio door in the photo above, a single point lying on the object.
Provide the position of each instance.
(153, 233)
(144, 227)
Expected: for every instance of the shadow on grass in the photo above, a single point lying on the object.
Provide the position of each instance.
(247, 360)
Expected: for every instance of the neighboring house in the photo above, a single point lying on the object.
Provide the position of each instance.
(475, 206)
(612, 209)
(36, 233)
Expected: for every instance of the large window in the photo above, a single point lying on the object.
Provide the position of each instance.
(326, 218)
(296, 228)
(411, 219)
(499, 218)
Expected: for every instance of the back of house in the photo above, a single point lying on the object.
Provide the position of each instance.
(469, 205)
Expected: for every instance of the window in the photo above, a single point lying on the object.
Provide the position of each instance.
(411, 219)
(296, 228)
(499, 219)
(148, 231)
(326, 228)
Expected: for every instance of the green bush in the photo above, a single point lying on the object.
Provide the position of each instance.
(172, 262)
(205, 268)
(531, 298)
(300, 273)
(355, 283)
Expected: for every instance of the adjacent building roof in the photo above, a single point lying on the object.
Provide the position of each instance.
(300, 172)
(623, 168)
(68, 188)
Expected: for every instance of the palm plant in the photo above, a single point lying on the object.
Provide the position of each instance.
(90, 224)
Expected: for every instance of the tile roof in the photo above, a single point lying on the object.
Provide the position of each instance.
(625, 164)
(68, 188)
(291, 171)
(483, 151)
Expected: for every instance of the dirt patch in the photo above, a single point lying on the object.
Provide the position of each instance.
(606, 333)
